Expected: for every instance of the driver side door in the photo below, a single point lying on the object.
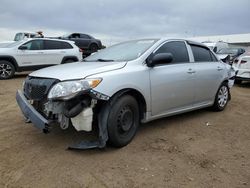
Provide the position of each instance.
(172, 84)
(33, 55)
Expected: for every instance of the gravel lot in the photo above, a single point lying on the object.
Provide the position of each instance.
(196, 149)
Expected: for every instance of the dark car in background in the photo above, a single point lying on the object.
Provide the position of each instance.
(85, 42)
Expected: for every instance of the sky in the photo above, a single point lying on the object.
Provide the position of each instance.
(118, 20)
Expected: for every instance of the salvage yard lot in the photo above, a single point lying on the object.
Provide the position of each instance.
(196, 149)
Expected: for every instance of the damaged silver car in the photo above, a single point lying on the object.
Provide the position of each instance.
(124, 85)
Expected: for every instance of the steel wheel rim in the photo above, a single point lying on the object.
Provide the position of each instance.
(125, 120)
(5, 70)
(223, 96)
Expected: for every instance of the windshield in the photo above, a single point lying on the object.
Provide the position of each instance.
(19, 36)
(125, 51)
(228, 51)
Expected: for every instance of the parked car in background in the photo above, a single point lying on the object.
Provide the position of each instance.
(32, 54)
(230, 53)
(242, 66)
(123, 85)
(22, 35)
(86, 42)
(216, 46)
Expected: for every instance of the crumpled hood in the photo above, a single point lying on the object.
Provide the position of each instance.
(77, 70)
(222, 56)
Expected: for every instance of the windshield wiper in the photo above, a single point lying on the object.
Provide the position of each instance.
(100, 60)
(104, 60)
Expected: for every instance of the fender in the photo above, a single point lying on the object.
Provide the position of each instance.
(12, 60)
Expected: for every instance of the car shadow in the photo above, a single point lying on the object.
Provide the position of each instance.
(244, 85)
(70, 136)
(21, 75)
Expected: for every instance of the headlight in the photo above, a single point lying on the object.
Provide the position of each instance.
(68, 89)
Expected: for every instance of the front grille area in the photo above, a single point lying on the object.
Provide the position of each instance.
(37, 88)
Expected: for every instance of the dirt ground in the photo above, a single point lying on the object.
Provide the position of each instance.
(197, 149)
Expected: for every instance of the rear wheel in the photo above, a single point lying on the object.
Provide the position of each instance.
(123, 121)
(93, 47)
(7, 70)
(221, 98)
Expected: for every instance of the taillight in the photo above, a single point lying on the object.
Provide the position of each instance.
(80, 50)
(243, 61)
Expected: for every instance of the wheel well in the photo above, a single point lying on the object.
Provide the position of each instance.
(69, 58)
(11, 60)
(93, 43)
(137, 95)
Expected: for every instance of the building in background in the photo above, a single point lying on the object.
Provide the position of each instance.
(235, 40)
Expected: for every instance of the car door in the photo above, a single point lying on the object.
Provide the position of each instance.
(85, 40)
(172, 84)
(209, 74)
(54, 52)
(33, 54)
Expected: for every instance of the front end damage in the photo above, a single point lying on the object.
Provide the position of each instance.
(79, 111)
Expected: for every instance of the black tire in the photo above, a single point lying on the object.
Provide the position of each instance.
(221, 98)
(7, 70)
(123, 121)
(238, 81)
(93, 47)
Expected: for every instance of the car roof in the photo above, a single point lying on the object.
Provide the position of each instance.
(191, 42)
(29, 39)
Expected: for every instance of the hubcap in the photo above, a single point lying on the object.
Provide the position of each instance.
(5, 70)
(223, 96)
(125, 120)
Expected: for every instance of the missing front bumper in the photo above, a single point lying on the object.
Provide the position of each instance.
(42, 123)
(30, 112)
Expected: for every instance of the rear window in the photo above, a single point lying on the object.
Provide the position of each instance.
(202, 54)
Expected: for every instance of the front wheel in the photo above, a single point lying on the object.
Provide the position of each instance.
(221, 98)
(123, 121)
(7, 70)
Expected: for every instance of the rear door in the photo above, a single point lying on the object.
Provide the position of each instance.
(209, 74)
(172, 84)
(54, 51)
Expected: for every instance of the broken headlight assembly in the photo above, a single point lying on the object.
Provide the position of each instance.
(69, 89)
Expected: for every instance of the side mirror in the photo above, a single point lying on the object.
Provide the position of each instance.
(23, 47)
(161, 58)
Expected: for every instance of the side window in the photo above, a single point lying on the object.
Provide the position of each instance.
(202, 54)
(213, 57)
(177, 48)
(75, 36)
(52, 45)
(83, 36)
(34, 45)
(66, 45)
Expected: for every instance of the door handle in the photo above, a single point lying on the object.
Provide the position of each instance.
(63, 52)
(219, 68)
(40, 52)
(191, 71)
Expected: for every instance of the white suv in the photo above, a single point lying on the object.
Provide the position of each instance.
(242, 67)
(36, 53)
